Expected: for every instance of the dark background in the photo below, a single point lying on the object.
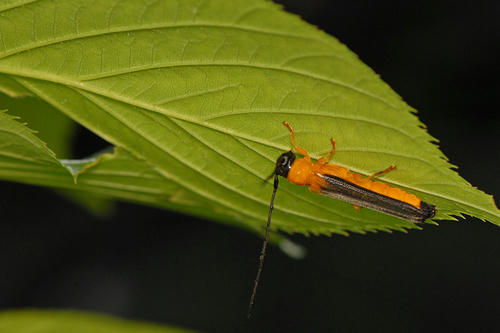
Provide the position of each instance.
(142, 263)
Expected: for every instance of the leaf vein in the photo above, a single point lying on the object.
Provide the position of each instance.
(17, 5)
(314, 112)
(127, 29)
(309, 75)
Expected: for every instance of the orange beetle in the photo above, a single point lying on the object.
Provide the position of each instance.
(338, 182)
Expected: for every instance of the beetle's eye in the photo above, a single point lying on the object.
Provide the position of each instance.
(284, 160)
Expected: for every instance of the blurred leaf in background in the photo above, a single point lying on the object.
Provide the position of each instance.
(36, 321)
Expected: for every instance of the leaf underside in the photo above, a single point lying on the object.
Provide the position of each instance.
(193, 94)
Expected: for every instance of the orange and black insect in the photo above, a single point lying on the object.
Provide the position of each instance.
(338, 182)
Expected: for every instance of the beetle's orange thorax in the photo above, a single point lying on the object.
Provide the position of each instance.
(301, 172)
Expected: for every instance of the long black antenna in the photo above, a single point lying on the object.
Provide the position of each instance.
(264, 247)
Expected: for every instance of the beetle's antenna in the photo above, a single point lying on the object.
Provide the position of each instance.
(264, 247)
(268, 177)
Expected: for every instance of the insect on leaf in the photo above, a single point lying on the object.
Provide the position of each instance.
(198, 90)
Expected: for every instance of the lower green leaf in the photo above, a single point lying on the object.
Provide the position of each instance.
(62, 321)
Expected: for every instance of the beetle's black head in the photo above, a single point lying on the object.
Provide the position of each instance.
(284, 163)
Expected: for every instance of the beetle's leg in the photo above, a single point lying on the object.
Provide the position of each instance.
(324, 160)
(300, 150)
(376, 174)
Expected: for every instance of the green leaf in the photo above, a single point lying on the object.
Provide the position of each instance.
(25, 158)
(38, 321)
(11, 88)
(53, 127)
(57, 130)
(197, 90)
(109, 174)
